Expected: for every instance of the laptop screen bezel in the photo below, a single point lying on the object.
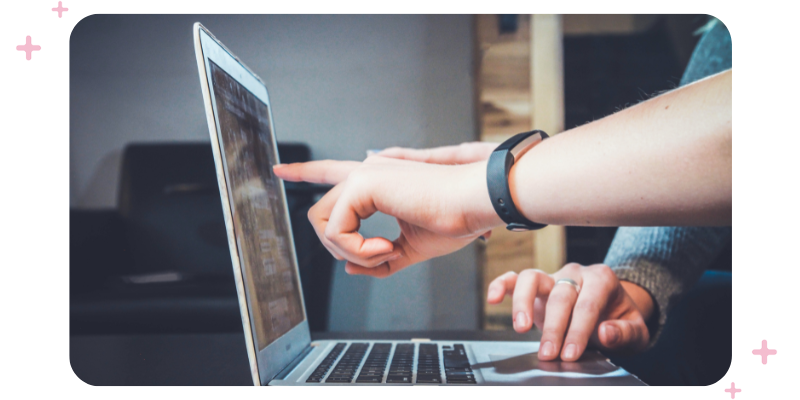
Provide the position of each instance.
(267, 363)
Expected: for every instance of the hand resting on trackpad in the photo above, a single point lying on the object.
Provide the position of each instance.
(590, 363)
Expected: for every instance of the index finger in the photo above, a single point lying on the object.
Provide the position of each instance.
(597, 288)
(459, 154)
(326, 171)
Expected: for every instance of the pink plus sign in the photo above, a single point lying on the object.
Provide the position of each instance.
(28, 48)
(733, 390)
(763, 351)
(60, 9)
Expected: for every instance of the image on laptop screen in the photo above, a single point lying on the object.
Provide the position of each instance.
(258, 207)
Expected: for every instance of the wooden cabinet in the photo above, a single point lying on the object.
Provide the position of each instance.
(519, 72)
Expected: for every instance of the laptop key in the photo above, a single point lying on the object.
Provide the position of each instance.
(398, 379)
(429, 378)
(460, 377)
(459, 373)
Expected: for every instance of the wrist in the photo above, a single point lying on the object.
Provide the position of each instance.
(641, 298)
(476, 205)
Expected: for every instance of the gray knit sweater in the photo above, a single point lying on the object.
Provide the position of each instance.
(667, 261)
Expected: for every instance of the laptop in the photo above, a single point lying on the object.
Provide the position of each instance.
(277, 337)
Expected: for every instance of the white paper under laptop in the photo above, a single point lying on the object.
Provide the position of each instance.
(266, 272)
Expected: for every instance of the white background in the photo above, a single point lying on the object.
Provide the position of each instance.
(35, 197)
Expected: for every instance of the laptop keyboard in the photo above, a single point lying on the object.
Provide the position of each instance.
(375, 366)
(402, 368)
(408, 364)
(456, 365)
(428, 364)
(347, 366)
(323, 367)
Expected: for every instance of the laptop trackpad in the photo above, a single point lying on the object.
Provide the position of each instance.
(591, 363)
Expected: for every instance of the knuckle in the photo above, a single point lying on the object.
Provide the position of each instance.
(497, 284)
(507, 275)
(522, 300)
(578, 335)
(330, 235)
(606, 277)
(604, 271)
(551, 332)
(572, 267)
(528, 274)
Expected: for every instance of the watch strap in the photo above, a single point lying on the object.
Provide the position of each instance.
(500, 162)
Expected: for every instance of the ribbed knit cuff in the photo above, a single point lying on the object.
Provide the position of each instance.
(658, 282)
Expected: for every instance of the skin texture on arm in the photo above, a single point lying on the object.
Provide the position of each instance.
(666, 161)
(663, 162)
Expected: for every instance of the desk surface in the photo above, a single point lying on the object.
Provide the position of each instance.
(207, 359)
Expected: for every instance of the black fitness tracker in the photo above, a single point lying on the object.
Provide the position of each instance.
(500, 162)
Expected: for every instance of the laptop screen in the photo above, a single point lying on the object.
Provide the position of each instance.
(259, 213)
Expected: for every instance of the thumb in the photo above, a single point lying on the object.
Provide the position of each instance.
(623, 335)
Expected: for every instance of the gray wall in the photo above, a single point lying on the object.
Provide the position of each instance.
(342, 84)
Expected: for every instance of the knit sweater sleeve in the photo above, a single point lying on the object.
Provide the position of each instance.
(665, 261)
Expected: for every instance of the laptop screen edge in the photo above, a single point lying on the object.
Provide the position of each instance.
(269, 361)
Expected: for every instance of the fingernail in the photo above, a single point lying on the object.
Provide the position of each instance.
(521, 321)
(612, 334)
(548, 349)
(494, 292)
(395, 257)
(570, 351)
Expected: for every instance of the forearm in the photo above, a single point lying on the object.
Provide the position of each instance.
(666, 161)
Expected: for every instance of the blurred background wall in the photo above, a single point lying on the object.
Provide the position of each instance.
(340, 84)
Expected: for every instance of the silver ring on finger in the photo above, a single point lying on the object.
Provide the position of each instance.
(571, 283)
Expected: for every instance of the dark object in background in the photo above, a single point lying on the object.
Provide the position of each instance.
(161, 263)
(508, 23)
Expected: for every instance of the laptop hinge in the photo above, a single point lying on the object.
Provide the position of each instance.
(292, 365)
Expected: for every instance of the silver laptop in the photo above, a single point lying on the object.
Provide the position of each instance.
(270, 294)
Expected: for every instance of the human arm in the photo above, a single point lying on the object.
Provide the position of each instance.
(666, 161)
(662, 162)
